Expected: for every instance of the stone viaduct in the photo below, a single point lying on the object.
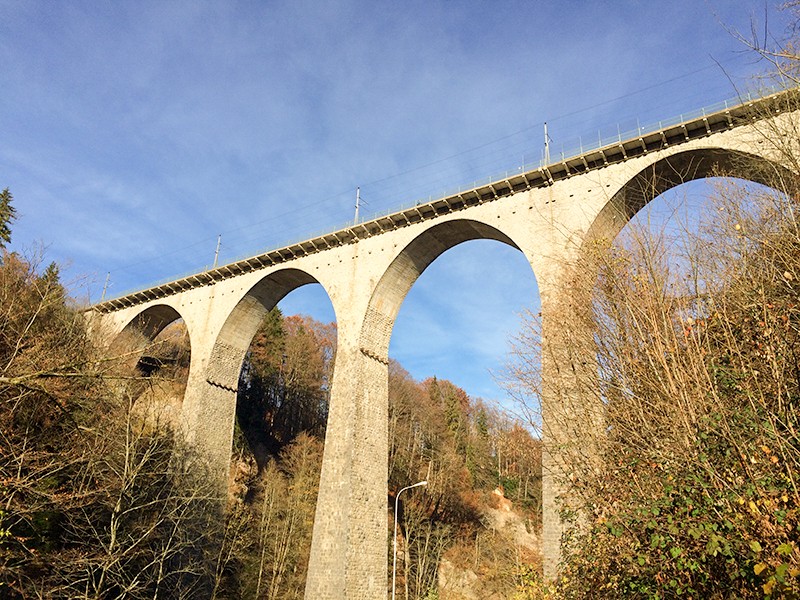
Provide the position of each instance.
(367, 269)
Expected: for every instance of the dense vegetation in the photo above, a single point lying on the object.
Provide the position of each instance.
(97, 501)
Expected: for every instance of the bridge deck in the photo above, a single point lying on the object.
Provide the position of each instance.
(623, 149)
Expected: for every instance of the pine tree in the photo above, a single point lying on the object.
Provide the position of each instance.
(7, 214)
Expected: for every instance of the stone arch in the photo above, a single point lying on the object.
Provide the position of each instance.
(142, 351)
(406, 268)
(566, 366)
(672, 171)
(348, 555)
(151, 320)
(241, 325)
(144, 327)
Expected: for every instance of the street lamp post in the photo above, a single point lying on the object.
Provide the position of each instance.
(394, 540)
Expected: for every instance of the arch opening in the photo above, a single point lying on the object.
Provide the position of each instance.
(450, 302)
(282, 398)
(284, 383)
(673, 258)
(407, 268)
(672, 172)
(684, 303)
(155, 346)
(144, 328)
(241, 325)
(248, 355)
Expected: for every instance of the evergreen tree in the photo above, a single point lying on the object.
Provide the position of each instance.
(7, 214)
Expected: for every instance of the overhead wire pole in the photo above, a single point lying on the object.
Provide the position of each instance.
(547, 141)
(546, 146)
(358, 203)
(216, 252)
(105, 286)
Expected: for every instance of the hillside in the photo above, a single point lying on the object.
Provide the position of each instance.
(471, 530)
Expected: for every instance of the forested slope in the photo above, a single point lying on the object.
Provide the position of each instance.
(462, 447)
(97, 497)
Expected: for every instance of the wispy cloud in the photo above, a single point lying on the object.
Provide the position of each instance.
(133, 133)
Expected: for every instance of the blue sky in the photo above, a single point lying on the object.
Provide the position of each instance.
(133, 133)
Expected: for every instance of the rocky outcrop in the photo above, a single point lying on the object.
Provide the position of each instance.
(485, 571)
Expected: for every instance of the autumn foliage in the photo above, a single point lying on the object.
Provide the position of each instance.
(97, 500)
(450, 533)
(436, 432)
(696, 336)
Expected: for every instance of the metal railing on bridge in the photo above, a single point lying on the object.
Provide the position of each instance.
(542, 172)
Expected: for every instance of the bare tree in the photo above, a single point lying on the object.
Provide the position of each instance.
(694, 362)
